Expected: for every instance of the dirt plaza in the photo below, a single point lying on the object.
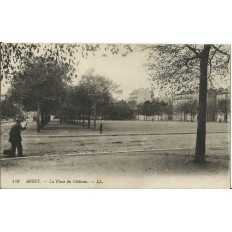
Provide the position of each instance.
(133, 154)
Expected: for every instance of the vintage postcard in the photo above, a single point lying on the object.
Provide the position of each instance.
(115, 115)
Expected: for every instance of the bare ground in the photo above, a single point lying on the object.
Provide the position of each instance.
(176, 169)
(124, 161)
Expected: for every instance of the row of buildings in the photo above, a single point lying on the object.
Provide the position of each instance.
(214, 98)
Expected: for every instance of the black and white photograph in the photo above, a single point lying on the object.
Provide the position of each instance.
(85, 115)
(115, 115)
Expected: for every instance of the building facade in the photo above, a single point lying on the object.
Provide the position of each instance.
(139, 96)
(223, 105)
(185, 105)
(190, 100)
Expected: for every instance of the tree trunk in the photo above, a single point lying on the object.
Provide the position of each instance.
(94, 116)
(38, 118)
(201, 126)
(42, 119)
(88, 121)
(225, 117)
(83, 121)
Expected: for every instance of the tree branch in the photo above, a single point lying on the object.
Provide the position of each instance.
(220, 51)
(189, 59)
(210, 63)
(194, 50)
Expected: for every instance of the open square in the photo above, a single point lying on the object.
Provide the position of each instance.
(115, 115)
(129, 154)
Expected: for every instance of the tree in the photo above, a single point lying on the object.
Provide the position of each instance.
(158, 108)
(188, 108)
(211, 108)
(146, 109)
(189, 67)
(223, 106)
(193, 108)
(183, 109)
(154, 108)
(93, 93)
(8, 109)
(12, 55)
(118, 110)
(40, 86)
(169, 110)
(81, 102)
(68, 108)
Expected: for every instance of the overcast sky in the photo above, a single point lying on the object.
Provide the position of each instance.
(128, 71)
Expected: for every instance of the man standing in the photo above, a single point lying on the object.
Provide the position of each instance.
(101, 126)
(15, 138)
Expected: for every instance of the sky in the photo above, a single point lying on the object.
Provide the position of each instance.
(127, 71)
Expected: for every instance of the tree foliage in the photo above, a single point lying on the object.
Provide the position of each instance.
(189, 67)
(95, 89)
(12, 55)
(155, 108)
(40, 82)
(189, 107)
(118, 110)
(8, 109)
(175, 68)
(223, 107)
(145, 108)
(93, 95)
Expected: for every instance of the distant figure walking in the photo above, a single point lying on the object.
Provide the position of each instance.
(15, 138)
(101, 126)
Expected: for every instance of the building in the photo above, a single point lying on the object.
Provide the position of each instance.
(189, 111)
(139, 96)
(181, 99)
(223, 105)
(184, 106)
